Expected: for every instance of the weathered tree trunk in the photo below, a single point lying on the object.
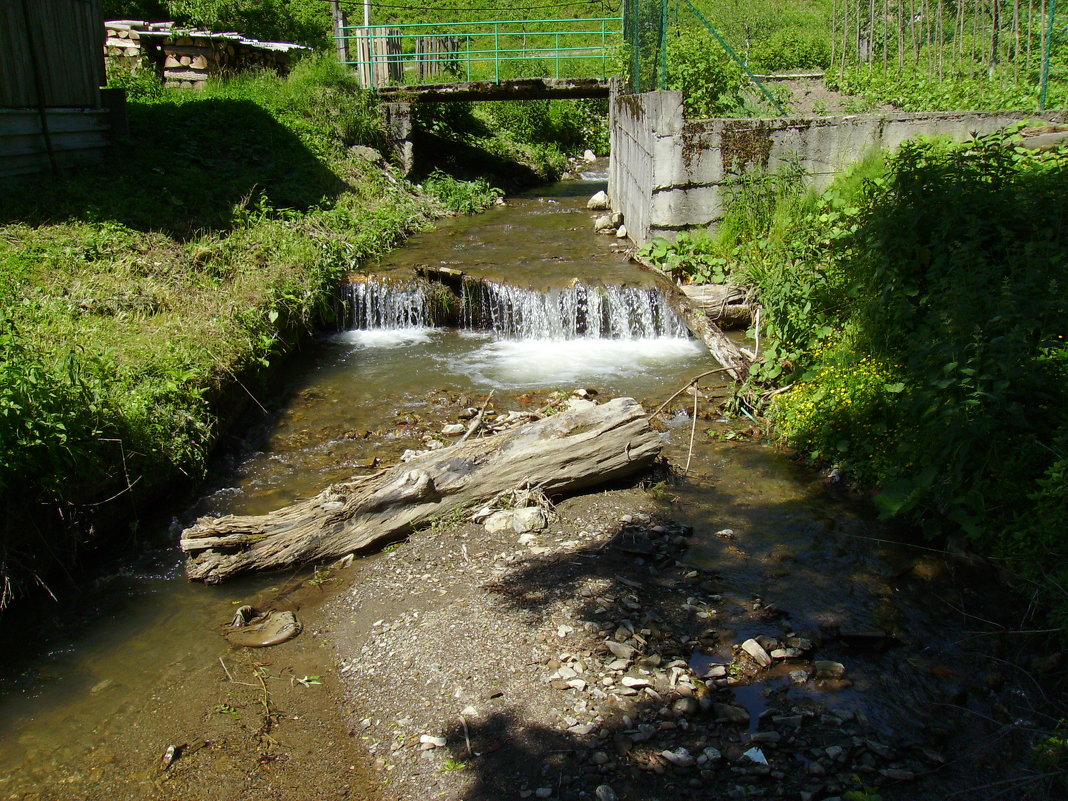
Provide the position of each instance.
(723, 350)
(727, 306)
(580, 447)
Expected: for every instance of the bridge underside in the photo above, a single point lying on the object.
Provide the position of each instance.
(516, 89)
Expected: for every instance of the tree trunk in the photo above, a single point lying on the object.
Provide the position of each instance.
(580, 447)
(722, 348)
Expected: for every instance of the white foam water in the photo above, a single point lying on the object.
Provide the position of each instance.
(386, 337)
(533, 363)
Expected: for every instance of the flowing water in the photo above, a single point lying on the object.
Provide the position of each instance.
(75, 678)
(73, 683)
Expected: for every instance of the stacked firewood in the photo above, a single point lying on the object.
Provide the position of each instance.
(187, 58)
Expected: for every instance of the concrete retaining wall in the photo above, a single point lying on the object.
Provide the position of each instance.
(668, 174)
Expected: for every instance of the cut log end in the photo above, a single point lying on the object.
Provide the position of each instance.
(583, 446)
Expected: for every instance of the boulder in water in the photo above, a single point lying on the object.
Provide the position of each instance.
(598, 202)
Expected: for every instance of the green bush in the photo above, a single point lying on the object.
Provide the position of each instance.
(460, 197)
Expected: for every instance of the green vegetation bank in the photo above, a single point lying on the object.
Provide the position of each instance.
(912, 336)
(142, 301)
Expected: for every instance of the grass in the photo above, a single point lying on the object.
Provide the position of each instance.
(136, 295)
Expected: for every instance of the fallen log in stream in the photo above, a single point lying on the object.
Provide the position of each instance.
(584, 445)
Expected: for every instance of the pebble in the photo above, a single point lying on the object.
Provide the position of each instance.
(685, 706)
(620, 650)
(454, 428)
(430, 741)
(826, 669)
(770, 737)
(680, 757)
(897, 774)
(603, 223)
(711, 754)
(600, 758)
(605, 793)
(716, 672)
(756, 650)
(543, 792)
(599, 202)
(730, 714)
(756, 755)
(531, 518)
(498, 522)
(798, 676)
(634, 681)
(621, 232)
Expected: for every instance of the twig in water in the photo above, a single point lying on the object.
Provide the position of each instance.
(756, 328)
(691, 383)
(467, 736)
(477, 421)
(226, 670)
(693, 433)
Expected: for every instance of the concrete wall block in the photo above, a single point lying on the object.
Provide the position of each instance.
(686, 208)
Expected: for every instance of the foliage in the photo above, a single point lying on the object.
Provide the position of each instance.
(912, 317)
(132, 297)
(140, 80)
(691, 258)
(460, 197)
(710, 81)
(912, 90)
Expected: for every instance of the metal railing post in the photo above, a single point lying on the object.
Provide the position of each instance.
(1045, 56)
(604, 49)
(497, 51)
(557, 55)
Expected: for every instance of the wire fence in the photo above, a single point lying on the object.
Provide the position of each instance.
(1021, 43)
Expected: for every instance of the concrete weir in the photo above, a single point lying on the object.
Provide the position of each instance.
(669, 174)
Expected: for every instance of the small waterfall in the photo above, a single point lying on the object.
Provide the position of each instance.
(576, 312)
(515, 313)
(381, 305)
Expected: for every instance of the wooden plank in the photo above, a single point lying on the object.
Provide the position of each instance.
(27, 121)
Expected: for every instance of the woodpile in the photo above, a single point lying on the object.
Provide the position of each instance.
(187, 58)
(579, 447)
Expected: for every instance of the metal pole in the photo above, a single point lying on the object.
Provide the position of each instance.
(497, 51)
(558, 55)
(663, 43)
(367, 13)
(604, 49)
(1045, 56)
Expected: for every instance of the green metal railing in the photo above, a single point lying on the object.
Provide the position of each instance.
(483, 47)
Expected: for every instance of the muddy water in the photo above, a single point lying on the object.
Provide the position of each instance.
(93, 691)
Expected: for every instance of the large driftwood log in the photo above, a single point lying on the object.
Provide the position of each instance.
(726, 305)
(582, 446)
(722, 348)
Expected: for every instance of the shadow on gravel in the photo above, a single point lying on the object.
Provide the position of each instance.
(654, 696)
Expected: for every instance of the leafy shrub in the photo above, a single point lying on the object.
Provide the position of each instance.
(140, 81)
(460, 197)
(792, 49)
(690, 258)
(710, 81)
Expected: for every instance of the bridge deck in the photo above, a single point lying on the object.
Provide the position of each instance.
(517, 89)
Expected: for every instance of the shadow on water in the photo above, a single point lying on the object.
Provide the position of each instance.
(929, 705)
(171, 176)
